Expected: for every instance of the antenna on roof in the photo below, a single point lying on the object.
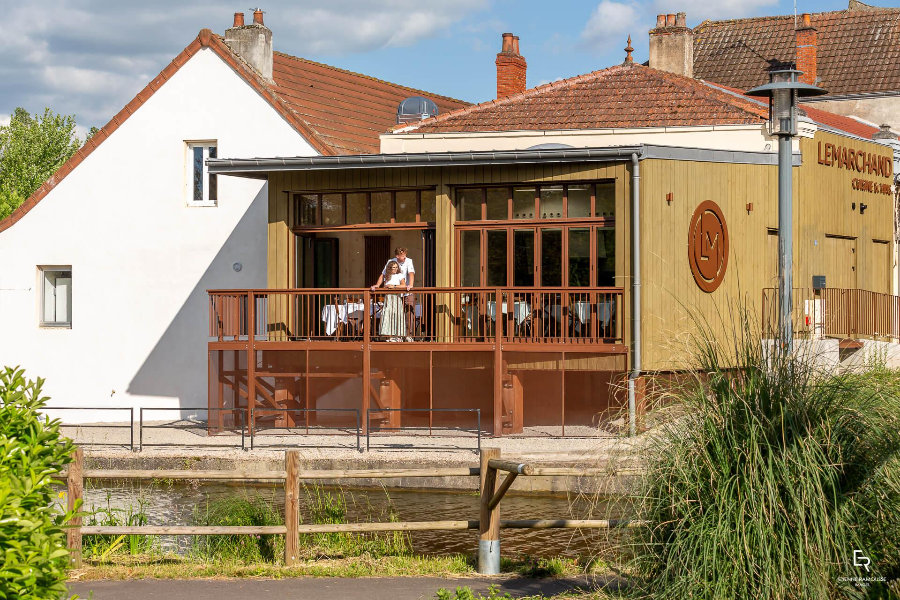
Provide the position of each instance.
(795, 14)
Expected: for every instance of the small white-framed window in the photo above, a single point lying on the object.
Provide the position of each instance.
(202, 188)
(56, 296)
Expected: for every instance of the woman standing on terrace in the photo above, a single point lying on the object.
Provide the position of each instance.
(393, 321)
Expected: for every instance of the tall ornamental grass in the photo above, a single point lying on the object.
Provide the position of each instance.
(33, 555)
(770, 477)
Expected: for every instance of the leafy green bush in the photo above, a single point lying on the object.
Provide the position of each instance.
(32, 453)
(770, 477)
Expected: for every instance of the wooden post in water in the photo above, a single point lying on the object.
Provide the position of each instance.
(489, 522)
(75, 488)
(291, 506)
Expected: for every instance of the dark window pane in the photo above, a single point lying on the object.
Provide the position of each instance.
(198, 173)
(497, 203)
(213, 179)
(308, 207)
(496, 257)
(356, 209)
(470, 255)
(523, 202)
(523, 258)
(606, 257)
(606, 200)
(579, 201)
(468, 204)
(551, 257)
(428, 206)
(579, 257)
(405, 207)
(551, 201)
(381, 207)
(332, 209)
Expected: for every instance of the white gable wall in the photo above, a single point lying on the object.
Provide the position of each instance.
(141, 259)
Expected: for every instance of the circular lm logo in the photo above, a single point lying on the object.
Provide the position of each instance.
(708, 246)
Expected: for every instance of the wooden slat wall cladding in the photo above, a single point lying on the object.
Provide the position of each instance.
(823, 214)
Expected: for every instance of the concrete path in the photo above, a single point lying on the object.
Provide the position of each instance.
(392, 588)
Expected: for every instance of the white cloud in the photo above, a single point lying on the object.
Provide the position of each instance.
(611, 23)
(90, 58)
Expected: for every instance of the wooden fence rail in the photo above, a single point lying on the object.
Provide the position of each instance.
(488, 524)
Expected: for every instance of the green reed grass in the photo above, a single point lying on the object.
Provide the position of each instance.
(102, 546)
(769, 476)
(239, 510)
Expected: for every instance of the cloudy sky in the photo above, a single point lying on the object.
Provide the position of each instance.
(89, 58)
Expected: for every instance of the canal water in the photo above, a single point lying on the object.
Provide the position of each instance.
(180, 503)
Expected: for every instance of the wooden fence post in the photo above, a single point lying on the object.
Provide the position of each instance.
(291, 506)
(489, 522)
(75, 487)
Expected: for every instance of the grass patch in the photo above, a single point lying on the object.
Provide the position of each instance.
(244, 510)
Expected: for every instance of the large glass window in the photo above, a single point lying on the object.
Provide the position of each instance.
(381, 207)
(579, 257)
(356, 209)
(405, 207)
(606, 200)
(308, 209)
(468, 202)
(578, 199)
(428, 206)
(523, 257)
(496, 257)
(497, 203)
(551, 201)
(470, 258)
(56, 297)
(523, 202)
(606, 257)
(332, 210)
(551, 257)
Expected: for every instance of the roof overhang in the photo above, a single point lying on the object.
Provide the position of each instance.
(258, 168)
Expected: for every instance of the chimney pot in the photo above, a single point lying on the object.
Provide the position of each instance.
(258, 16)
(238, 19)
(670, 20)
(515, 44)
(660, 21)
(507, 43)
(805, 20)
(681, 19)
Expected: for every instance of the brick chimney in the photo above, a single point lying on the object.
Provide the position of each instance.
(253, 43)
(672, 45)
(511, 67)
(806, 50)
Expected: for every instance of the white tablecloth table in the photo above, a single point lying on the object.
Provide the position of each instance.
(521, 310)
(332, 314)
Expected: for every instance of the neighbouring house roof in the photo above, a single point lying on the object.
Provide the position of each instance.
(821, 117)
(347, 110)
(336, 111)
(858, 50)
(618, 97)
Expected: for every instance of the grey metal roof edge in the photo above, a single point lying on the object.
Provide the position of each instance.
(856, 96)
(247, 166)
(738, 157)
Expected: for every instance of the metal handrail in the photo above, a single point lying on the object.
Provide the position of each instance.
(141, 443)
(477, 412)
(256, 411)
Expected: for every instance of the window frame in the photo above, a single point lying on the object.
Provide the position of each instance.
(42, 283)
(510, 216)
(207, 178)
(297, 226)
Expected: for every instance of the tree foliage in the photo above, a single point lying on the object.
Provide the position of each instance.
(33, 555)
(32, 148)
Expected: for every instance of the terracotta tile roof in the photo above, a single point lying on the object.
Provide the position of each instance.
(370, 111)
(858, 50)
(347, 110)
(620, 96)
(822, 117)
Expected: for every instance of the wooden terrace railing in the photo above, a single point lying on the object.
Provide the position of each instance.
(835, 312)
(488, 523)
(434, 315)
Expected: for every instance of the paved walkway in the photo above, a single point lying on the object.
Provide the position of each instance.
(392, 588)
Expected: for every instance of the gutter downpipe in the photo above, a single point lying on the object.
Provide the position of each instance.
(635, 291)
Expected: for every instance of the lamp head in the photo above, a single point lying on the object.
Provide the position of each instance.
(783, 89)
